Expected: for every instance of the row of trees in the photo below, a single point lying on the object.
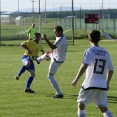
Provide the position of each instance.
(80, 13)
(112, 13)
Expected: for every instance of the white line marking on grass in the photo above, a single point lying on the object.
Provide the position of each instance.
(66, 31)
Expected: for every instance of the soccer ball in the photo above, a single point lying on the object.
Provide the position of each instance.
(47, 58)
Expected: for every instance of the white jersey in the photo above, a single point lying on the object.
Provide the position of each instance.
(99, 62)
(59, 54)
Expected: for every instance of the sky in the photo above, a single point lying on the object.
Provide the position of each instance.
(12, 5)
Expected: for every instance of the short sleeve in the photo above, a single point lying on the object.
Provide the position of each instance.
(87, 57)
(28, 42)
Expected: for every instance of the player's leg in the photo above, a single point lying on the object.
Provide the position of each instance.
(25, 60)
(81, 110)
(52, 70)
(105, 111)
(29, 81)
(43, 57)
(84, 98)
(56, 86)
(31, 70)
(82, 102)
(21, 71)
(101, 102)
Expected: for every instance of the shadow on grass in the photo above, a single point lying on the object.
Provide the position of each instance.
(73, 51)
(2, 44)
(66, 96)
(73, 97)
(112, 99)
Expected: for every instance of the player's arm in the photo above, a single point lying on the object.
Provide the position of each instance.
(82, 69)
(27, 37)
(109, 76)
(42, 51)
(52, 46)
(25, 47)
(28, 33)
(49, 52)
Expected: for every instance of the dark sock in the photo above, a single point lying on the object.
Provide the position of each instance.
(22, 70)
(29, 81)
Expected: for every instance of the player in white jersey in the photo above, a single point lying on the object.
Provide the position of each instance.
(57, 55)
(99, 70)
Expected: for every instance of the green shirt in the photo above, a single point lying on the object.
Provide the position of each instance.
(31, 32)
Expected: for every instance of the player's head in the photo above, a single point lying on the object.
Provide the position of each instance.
(33, 25)
(58, 31)
(37, 36)
(94, 36)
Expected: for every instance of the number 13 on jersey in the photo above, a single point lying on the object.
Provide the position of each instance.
(99, 66)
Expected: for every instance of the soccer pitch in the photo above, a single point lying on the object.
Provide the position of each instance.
(14, 102)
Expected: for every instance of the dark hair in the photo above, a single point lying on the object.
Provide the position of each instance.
(58, 28)
(38, 34)
(94, 35)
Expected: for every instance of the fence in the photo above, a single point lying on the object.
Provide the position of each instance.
(16, 29)
(108, 24)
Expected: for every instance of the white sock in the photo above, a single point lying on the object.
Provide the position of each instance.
(54, 84)
(107, 114)
(42, 57)
(81, 113)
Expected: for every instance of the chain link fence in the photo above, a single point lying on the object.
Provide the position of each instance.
(15, 27)
(79, 24)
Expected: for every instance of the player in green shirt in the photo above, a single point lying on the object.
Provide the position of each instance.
(31, 32)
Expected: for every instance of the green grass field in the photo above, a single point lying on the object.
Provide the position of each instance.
(14, 102)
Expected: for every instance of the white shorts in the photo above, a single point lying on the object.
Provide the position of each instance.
(99, 97)
(53, 66)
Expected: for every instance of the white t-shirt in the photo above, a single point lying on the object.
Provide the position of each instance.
(59, 54)
(99, 63)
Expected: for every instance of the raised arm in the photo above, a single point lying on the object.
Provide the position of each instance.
(52, 46)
